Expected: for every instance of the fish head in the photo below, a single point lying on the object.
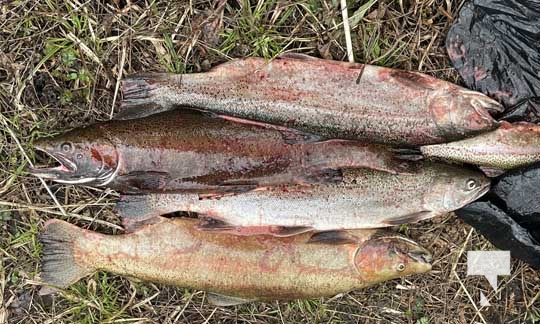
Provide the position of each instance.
(388, 256)
(455, 187)
(464, 113)
(83, 156)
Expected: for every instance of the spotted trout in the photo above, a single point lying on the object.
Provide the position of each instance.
(185, 150)
(508, 147)
(364, 199)
(232, 269)
(331, 98)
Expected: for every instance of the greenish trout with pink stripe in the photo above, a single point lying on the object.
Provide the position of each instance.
(232, 269)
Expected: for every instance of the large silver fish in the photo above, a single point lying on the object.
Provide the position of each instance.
(364, 199)
(330, 98)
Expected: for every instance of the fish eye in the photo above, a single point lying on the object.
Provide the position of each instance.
(66, 147)
(400, 267)
(471, 184)
(79, 156)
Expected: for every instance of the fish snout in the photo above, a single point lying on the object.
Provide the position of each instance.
(422, 256)
(483, 104)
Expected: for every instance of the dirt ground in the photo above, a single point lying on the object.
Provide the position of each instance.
(60, 66)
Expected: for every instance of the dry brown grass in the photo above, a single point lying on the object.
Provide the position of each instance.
(60, 62)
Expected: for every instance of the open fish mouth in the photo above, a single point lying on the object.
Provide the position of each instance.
(66, 167)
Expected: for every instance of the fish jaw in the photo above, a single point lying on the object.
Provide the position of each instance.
(53, 173)
(454, 197)
(475, 196)
(72, 170)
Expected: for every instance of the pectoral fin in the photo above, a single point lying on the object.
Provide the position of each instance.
(143, 180)
(224, 300)
(408, 154)
(332, 237)
(410, 218)
(491, 172)
(211, 224)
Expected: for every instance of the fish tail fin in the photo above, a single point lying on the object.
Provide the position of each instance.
(134, 210)
(140, 86)
(58, 265)
(139, 95)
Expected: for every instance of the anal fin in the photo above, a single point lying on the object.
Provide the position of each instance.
(322, 176)
(127, 111)
(224, 300)
(410, 218)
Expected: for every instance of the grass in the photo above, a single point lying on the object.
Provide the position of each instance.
(60, 62)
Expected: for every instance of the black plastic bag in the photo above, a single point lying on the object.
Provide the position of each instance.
(518, 193)
(509, 215)
(501, 230)
(495, 46)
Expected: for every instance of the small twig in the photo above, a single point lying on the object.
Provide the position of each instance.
(119, 77)
(469, 296)
(347, 29)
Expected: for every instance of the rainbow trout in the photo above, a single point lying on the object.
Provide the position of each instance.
(232, 269)
(186, 150)
(364, 199)
(510, 146)
(331, 98)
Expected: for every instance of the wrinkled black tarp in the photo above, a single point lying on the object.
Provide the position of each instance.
(495, 46)
(509, 215)
(518, 193)
(501, 230)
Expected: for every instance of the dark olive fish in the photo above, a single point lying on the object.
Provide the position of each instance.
(330, 98)
(185, 150)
